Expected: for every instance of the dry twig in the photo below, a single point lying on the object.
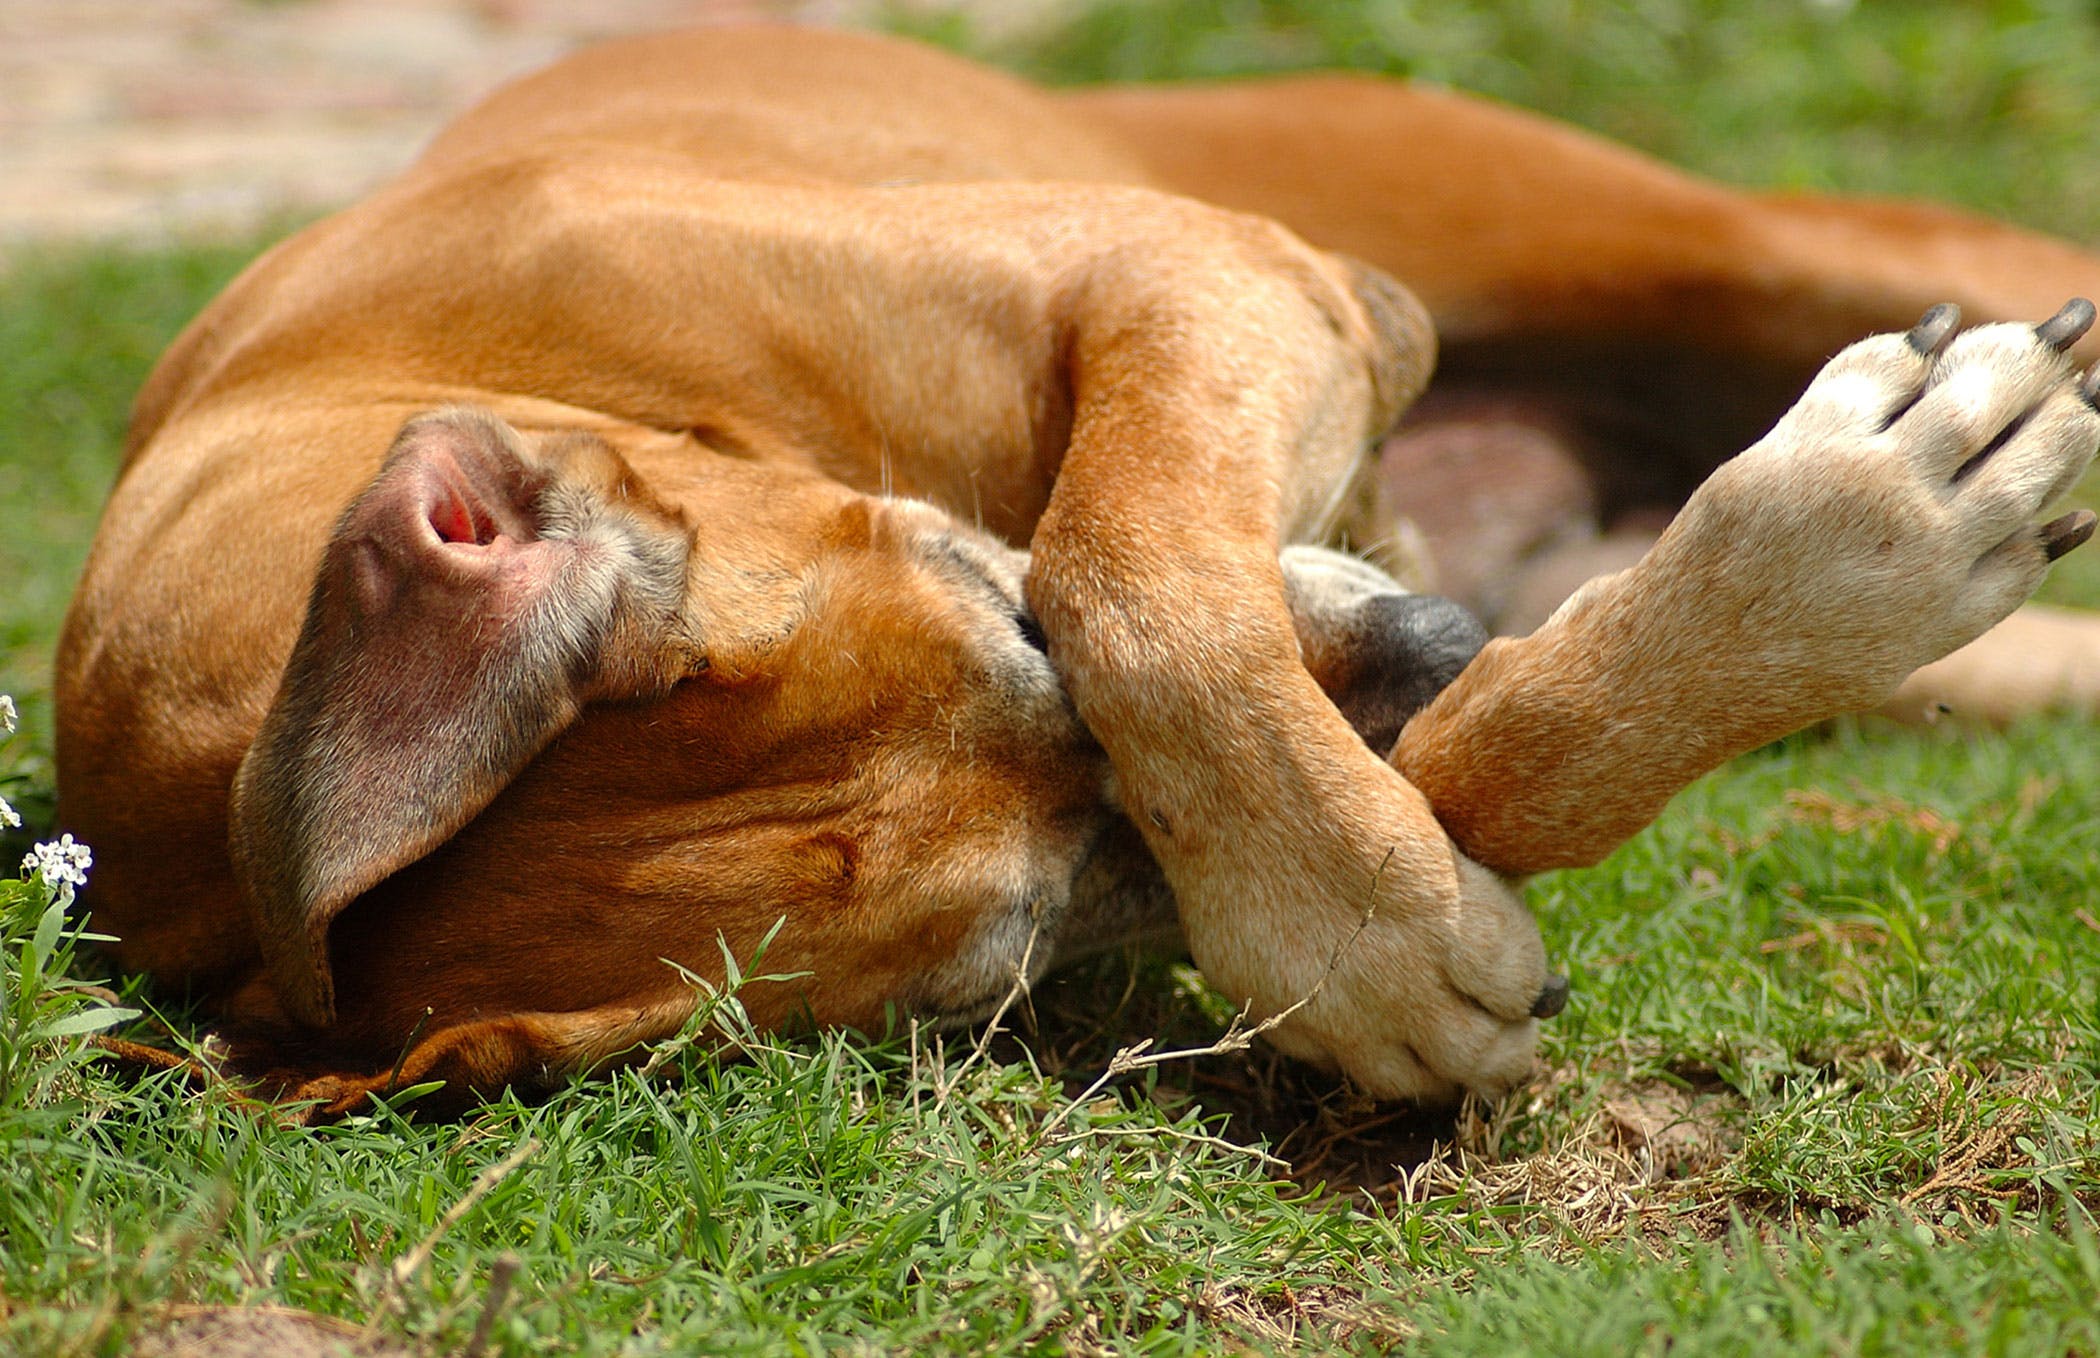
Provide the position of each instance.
(1237, 1037)
(1014, 995)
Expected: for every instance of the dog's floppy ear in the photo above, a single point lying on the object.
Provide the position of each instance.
(1403, 339)
(469, 602)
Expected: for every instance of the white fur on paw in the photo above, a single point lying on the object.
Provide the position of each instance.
(1889, 517)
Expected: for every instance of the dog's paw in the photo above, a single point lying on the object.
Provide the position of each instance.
(1476, 1027)
(1889, 517)
(1438, 992)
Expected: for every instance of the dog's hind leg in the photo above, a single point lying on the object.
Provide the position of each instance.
(2039, 659)
(1886, 521)
(1512, 227)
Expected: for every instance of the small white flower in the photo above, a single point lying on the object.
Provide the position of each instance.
(60, 862)
(7, 713)
(8, 819)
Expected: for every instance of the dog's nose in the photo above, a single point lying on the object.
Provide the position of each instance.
(1404, 649)
(1552, 998)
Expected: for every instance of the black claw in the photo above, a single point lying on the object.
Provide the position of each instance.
(1554, 996)
(2061, 535)
(2089, 387)
(2063, 330)
(1934, 329)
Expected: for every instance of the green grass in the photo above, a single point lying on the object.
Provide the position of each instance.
(1830, 1082)
(1983, 102)
(78, 332)
(1880, 1045)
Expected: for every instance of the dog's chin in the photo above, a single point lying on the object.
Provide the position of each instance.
(1119, 898)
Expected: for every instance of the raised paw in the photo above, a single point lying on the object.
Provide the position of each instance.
(1890, 516)
(1886, 521)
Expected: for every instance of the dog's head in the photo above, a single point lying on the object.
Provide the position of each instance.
(547, 726)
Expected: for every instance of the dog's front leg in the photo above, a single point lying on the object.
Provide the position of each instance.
(1886, 520)
(1213, 406)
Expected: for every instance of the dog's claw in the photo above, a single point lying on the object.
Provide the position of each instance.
(2063, 330)
(2061, 535)
(1934, 329)
(1554, 996)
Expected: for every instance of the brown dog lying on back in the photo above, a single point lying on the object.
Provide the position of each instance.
(760, 478)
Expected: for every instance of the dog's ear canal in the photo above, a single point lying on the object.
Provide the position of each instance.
(469, 602)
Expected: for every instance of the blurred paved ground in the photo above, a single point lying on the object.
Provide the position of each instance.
(150, 118)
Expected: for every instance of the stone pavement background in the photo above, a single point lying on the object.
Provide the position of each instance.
(146, 119)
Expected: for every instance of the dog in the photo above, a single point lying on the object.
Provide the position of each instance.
(794, 491)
